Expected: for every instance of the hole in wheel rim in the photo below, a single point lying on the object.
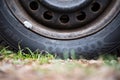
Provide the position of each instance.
(64, 19)
(95, 7)
(81, 16)
(48, 15)
(34, 5)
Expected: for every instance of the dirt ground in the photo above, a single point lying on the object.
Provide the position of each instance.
(57, 70)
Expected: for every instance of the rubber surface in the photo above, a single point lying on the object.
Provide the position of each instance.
(14, 33)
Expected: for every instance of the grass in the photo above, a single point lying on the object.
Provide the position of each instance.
(109, 60)
(20, 55)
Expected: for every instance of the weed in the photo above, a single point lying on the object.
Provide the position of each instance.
(20, 55)
(111, 60)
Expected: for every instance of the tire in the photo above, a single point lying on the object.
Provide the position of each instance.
(106, 40)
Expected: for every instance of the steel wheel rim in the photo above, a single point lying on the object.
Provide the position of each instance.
(88, 29)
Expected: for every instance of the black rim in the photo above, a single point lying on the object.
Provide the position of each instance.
(64, 17)
(79, 19)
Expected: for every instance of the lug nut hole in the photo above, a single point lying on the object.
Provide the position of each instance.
(48, 15)
(81, 16)
(64, 19)
(34, 5)
(95, 7)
